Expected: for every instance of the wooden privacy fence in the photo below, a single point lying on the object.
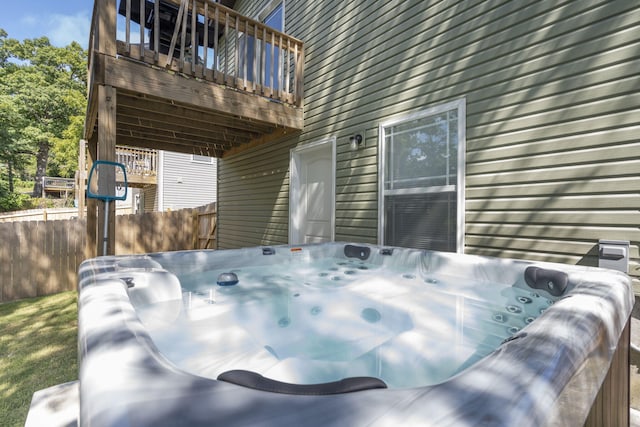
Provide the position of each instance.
(42, 257)
(204, 231)
(52, 214)
(39, 258)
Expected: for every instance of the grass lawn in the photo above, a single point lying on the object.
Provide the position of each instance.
(38, 349)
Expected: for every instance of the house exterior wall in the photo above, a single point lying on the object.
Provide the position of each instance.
(185, 183)
(552, 119)
(254, 189)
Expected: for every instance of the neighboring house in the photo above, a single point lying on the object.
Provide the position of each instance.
(486, 127)
(183, 181)
(162, 180)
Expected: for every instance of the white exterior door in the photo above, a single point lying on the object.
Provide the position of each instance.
(312, 193)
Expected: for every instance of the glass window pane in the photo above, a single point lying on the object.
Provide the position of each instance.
(423, 152)
(420, 177)
(274, 20)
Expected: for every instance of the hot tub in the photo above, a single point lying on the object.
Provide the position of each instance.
(348, 334)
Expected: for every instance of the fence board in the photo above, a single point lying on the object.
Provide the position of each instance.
(204, 229)
(42, 262)
(42, 257)
(52, 252)
(19, 288)
(7, 249)
(45, 253)
(81, 243)
(124, 245)
(16, 272)
(30, 243)
(5, 261)
(10, 244)
(63, 251)
(26, 286)
(71, 255)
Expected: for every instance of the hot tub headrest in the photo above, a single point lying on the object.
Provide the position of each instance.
(258, 382)
(553, 281)
(360, 252)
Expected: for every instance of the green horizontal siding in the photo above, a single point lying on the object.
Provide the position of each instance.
(253, 191)
(553, 118)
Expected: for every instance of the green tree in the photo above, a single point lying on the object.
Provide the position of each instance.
(64, 151)
(46, 87)
(11, 144)
(13, 152)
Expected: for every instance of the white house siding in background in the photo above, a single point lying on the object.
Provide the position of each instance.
(184, 181)
(552, 119)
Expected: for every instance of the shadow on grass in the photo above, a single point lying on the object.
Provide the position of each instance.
(38, 349)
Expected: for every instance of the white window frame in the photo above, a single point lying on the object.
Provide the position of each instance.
(262, 17)
(264, 13)
(460, 105)
(202, 162)
(269, 8)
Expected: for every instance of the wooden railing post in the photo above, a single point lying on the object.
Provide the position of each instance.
(106, 26)
(142, 12)
(196, 229)
(298, 77)
(156, 32)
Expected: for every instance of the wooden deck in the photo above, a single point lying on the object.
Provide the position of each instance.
(180, 96)
(51, 184)
(196, 77)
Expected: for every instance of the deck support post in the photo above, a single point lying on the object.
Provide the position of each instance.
(106, 151)
(92, 204)
(81, 178)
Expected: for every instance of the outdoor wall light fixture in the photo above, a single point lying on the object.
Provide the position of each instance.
(356, 142)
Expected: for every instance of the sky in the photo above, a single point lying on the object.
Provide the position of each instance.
(62, 21)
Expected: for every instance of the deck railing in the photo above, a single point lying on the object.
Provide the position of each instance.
(203, 39)
(138, 161)
(57, 184)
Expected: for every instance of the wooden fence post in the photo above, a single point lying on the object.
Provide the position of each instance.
(195, 238)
